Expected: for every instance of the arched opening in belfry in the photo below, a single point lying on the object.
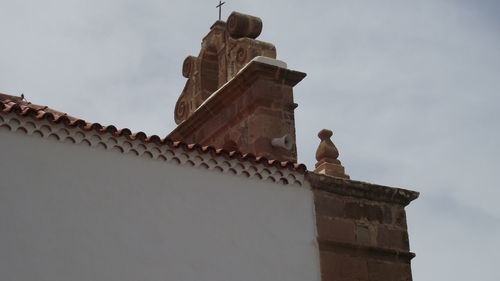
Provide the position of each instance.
(209, 72)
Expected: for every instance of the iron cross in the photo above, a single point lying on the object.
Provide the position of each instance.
(220, 7)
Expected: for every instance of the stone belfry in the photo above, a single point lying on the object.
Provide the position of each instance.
(224, 51)
(238, 96)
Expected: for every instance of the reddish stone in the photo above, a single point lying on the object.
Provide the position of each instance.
(221, 57)
(374, 213)
(387, 215)
(380, 248)
(328, 205)
(353, 210)
(335, 267)
(242, 112)
(335, 229)
(401, 218)
(392, 238)
(358, 210)
(363, 235)
(388, 271)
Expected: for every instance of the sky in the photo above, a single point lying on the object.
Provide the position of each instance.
(411, 90)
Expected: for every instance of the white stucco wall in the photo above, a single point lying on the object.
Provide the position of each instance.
(72, 212)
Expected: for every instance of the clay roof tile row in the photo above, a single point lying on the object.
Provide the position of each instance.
(17, 105)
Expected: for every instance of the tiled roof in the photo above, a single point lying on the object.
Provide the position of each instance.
(17, 105)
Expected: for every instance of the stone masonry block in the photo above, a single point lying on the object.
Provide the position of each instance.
(359, 210)
(363, 235)
(335, 229)
(336, 267)
(328, 204)
(401, 217)
(388, 214)
(388, 271)
(392, 238)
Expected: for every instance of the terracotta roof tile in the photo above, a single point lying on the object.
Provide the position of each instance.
(9, 103)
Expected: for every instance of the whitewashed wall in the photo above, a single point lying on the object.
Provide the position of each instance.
(71, 212)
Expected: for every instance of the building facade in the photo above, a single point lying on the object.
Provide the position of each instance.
(220, 198)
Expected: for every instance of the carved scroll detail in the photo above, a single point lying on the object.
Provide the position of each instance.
(224, 51)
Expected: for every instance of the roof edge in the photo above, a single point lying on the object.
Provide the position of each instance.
(15, 104)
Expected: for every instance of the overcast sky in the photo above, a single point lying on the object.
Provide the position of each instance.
(411, 90)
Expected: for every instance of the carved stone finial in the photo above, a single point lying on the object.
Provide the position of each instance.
(327, 155)
(326, 149)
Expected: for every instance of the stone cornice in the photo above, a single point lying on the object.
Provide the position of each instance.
(368, 251)
(360, 189)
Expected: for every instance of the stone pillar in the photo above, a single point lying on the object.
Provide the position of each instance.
(362, 231)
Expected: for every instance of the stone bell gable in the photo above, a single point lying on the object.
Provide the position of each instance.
(238, 96)
(224, 51)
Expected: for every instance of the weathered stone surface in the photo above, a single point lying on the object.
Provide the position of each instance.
(237, 96)
(240, 25)
(247, 112)
(336, 229)
(392, 238)
(388, 215)
(362, 190)
(360, 210)
(345, 267)
(364, 235)
(224, 51)
(361, 230)
(335, 267)
(400, 217)
(388, 271)
(329, 205)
